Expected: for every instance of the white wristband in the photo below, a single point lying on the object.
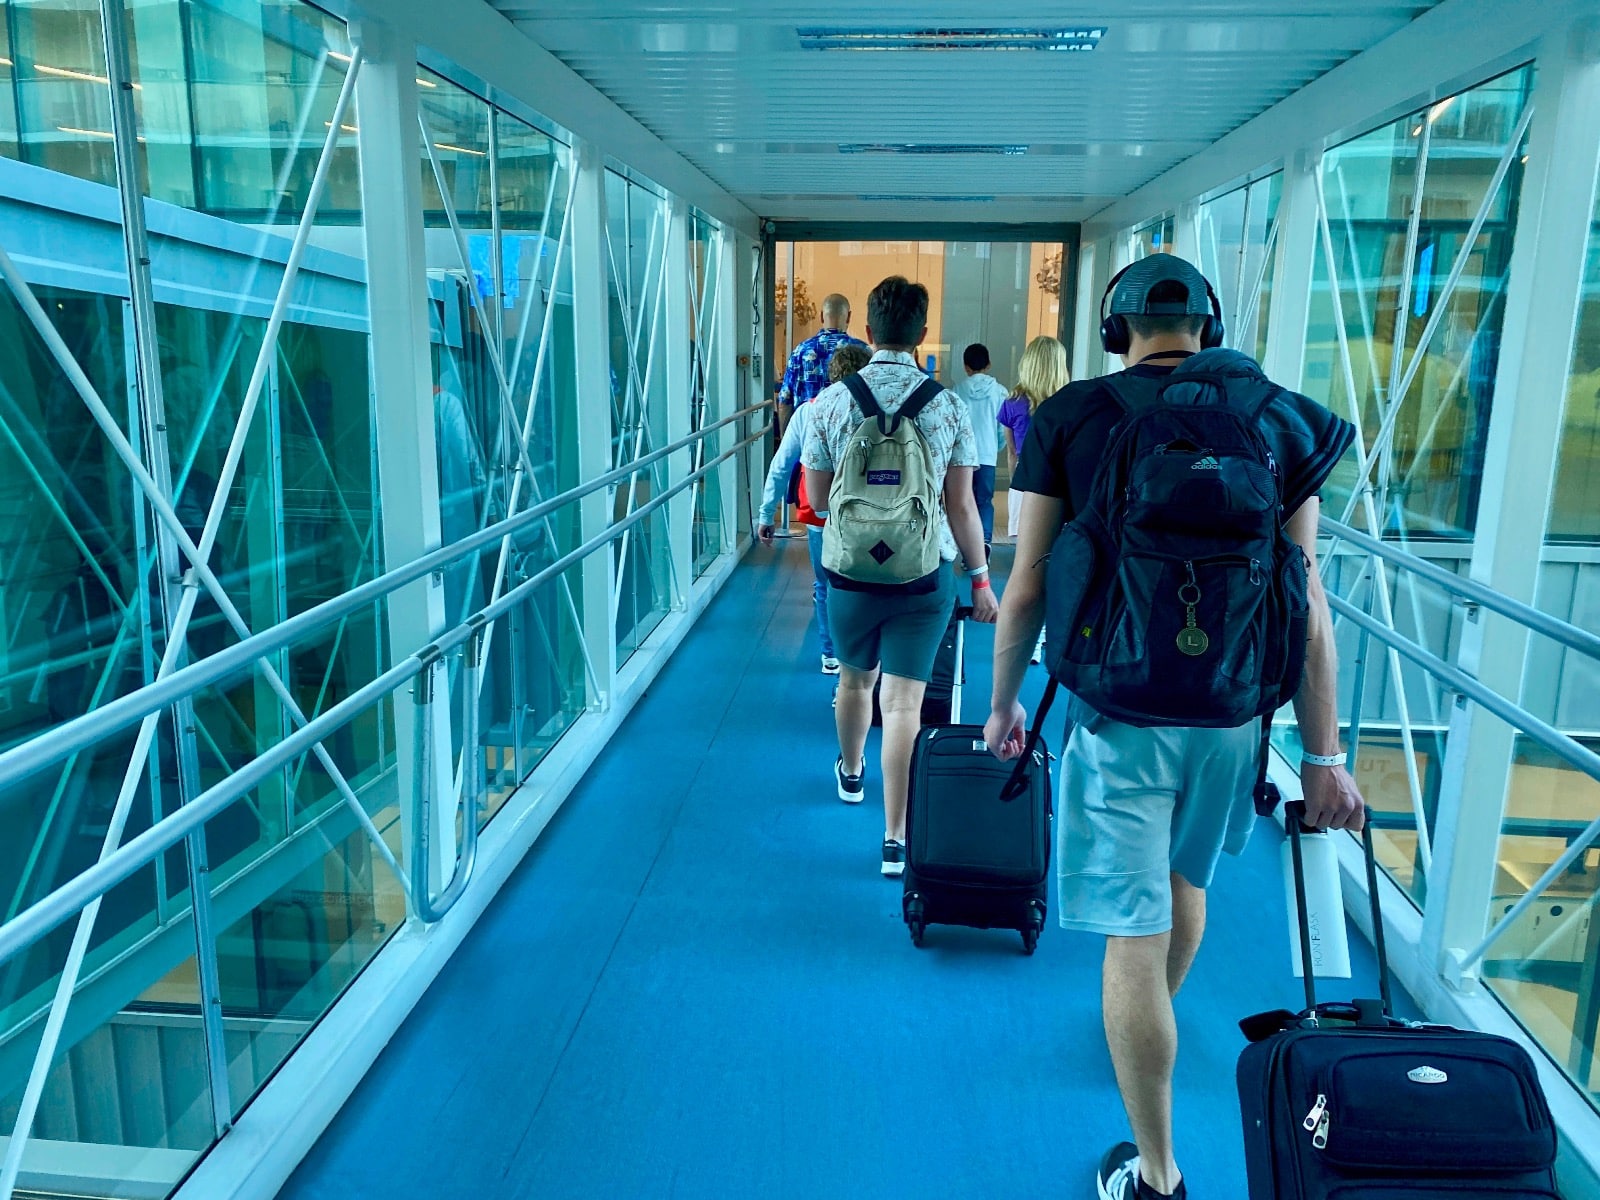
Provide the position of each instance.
(977, 572)
(1324, 760)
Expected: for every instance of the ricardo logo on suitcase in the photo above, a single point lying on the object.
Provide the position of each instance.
(1345, 1102)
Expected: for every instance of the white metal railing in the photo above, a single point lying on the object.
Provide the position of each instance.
(1458, 681)
(87, 889)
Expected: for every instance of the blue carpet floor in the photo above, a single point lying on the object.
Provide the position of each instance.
(698, 985)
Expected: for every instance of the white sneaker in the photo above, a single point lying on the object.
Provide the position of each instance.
(830, 665)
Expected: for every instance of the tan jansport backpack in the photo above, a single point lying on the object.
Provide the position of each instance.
(884, 509)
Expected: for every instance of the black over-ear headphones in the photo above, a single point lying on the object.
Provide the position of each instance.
(1115, 336)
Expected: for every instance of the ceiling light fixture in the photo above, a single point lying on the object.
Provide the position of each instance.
(899, 199)
(94, 133)
(1073, 40)
(929, 148)
(1438, 109)
(460, 149)
(64, 73)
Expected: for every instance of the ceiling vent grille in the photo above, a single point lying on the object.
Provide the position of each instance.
(1076, 40)
(929, 148)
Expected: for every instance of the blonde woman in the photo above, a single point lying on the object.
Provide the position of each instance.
(1043, 373)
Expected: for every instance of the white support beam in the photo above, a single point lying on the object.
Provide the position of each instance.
(402, 380)
(675, 330)
(725, 379)
(1522, 443)
(1091, 283)
(1295, 258)
(591, 321)
(1186, 231)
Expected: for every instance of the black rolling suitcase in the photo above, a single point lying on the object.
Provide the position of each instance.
(941, 699)
(977, 831)
(1345, 1102)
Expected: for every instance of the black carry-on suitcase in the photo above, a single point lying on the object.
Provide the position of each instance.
(977, 830)
(941, 699)
(1345, 1102)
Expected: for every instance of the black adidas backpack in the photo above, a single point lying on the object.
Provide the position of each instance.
(1176, 597)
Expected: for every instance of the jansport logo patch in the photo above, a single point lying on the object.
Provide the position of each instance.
(886, 478)
(1427, 1075)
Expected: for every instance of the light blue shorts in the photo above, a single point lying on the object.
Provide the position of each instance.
(1139, 805)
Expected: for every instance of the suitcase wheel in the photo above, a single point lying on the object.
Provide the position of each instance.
(1030, 935)
(914, 919)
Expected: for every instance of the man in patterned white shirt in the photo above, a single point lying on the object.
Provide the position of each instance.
(894, 633)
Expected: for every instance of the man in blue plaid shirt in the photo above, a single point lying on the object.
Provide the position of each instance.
(807, 375)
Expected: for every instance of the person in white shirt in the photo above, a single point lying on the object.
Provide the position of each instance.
(984, 395)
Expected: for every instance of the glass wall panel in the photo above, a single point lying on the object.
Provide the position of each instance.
(1153, 238)
(232, 103)
(534, 686)
(75, 581)
(706, 247)
(224, 95)
(1575, 508)
(1545, 966)
(500, 292)
(636, 236)
(1237, 232)
(135, 1087)
(1366, 339)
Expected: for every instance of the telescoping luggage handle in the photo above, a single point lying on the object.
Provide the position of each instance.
(1294, 814)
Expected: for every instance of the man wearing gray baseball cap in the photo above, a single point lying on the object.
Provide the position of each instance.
(1173, 506)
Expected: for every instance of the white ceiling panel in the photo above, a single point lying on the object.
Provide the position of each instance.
(728, 85)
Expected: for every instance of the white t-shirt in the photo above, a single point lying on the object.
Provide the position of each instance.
(984, 395)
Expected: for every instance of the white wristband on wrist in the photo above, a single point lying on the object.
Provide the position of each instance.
(1324, 760)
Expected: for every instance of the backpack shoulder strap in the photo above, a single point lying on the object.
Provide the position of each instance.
(1131, 393)
(864, 397)
(926, 393)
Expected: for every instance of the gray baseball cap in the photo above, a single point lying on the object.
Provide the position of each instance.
(1133, 289)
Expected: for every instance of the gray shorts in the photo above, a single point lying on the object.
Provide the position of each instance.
(899, 633)
(1139, 805)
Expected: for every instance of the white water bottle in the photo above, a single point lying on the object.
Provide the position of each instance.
(1330, 948)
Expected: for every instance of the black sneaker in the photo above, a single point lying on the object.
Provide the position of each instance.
(1118, 1177)
(851, 788)
(894, 857)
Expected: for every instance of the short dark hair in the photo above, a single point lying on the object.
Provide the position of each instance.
(976, 357)
(897, 310)
(1168, 291)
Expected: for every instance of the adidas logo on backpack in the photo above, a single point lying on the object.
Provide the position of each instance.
(1207, 464)
(884, 509)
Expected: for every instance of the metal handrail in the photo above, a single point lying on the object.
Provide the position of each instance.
(74, 895)
(1554, 628)
(1518, 718)
(21, 762)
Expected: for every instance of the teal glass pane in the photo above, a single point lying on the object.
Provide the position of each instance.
(1429, 469)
